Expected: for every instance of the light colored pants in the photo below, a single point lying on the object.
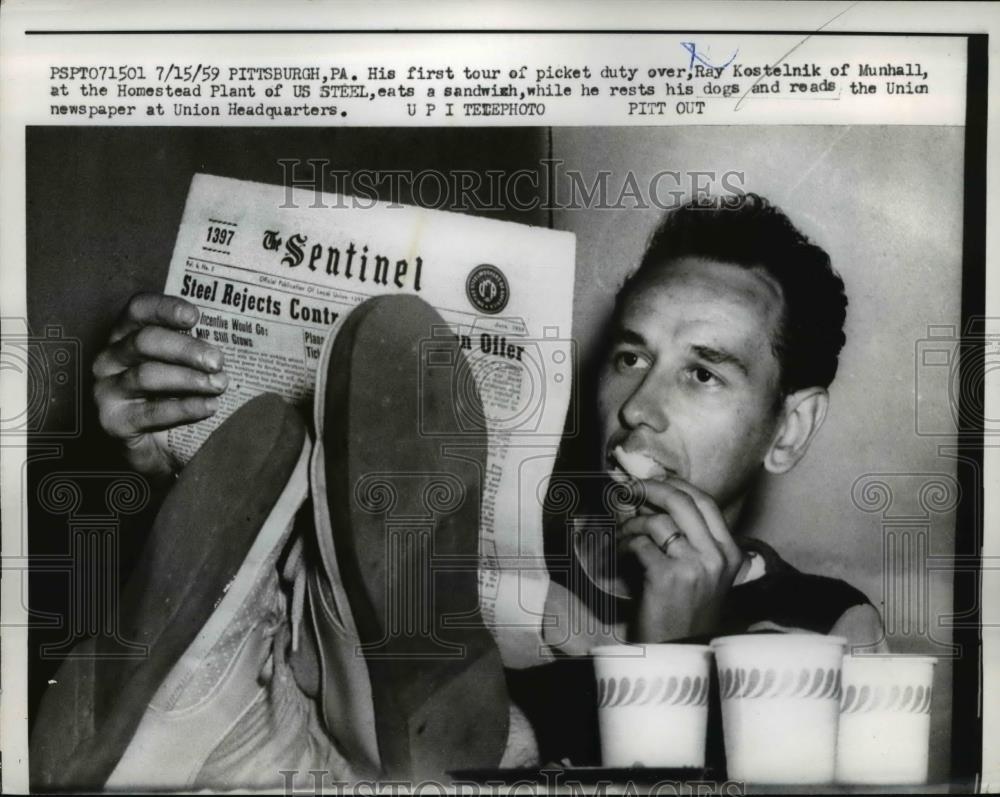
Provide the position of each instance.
(233, 716)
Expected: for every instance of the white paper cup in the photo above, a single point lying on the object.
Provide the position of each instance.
(652, 704)
(885, 719)
(780, 697)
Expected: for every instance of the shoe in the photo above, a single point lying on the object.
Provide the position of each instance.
(205, 600)
(411, 679)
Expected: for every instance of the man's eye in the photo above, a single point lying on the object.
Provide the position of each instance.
(705, 377)
(630, 361)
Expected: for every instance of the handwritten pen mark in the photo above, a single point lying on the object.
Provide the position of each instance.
(826, 24)
(692, 48)
(819, 159)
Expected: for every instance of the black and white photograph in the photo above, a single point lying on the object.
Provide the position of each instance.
(517, 453)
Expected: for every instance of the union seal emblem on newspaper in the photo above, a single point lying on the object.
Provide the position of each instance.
(487, 289)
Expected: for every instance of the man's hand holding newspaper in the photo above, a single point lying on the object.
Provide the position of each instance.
(152, 376)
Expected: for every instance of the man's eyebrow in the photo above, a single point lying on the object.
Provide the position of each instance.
(629, 336)
(720, 357)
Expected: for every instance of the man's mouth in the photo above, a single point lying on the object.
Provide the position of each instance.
(635, 464)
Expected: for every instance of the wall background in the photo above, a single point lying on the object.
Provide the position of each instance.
(886, 203)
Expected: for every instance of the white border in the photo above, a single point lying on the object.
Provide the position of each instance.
(19, 15)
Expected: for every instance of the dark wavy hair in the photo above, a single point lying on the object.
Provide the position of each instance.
(749, 231)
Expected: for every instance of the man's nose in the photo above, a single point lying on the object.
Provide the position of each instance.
(647, 406)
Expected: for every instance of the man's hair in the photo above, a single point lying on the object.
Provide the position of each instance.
(750, 232)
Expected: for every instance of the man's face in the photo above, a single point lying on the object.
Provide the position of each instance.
(691, 379)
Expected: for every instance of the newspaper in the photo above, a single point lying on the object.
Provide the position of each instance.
(275, 271)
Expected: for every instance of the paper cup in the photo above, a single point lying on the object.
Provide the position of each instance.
(780, 697)
(652, 704)
(885, 719)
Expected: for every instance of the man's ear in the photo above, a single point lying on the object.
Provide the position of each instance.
(802, 413)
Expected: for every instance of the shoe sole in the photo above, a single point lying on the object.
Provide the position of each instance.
(409, 566)
(195, 554)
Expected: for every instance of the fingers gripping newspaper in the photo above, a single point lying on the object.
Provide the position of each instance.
(275, 270)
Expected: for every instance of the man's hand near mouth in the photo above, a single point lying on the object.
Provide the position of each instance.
(688, 560)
